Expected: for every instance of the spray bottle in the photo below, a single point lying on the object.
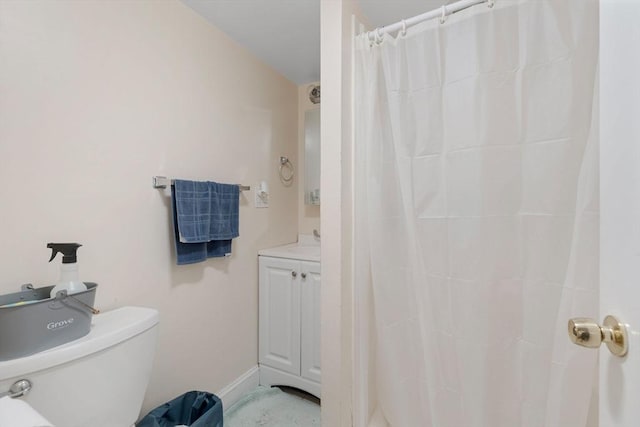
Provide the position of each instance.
(69, 279)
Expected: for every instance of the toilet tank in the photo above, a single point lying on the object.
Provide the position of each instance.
(98, 380)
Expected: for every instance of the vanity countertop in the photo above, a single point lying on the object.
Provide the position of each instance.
(303, 250)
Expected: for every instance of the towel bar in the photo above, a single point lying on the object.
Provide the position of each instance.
(163, 182)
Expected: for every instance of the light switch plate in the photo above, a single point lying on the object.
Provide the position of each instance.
(261, 198)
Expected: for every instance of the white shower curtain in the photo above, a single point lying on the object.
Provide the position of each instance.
(477, 207)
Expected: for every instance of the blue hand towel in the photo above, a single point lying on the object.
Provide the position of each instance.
(205, 219)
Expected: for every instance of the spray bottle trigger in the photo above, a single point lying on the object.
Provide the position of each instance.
(54, 252)
(68, 251)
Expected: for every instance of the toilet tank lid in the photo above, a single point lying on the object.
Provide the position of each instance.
(107, 329)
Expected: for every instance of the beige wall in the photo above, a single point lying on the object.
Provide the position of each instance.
(308, 215)
(96, 98)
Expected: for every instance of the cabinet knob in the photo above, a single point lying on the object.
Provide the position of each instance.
(294, 274)
(304, 275)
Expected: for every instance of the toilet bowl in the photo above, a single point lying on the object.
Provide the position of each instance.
(98, 380)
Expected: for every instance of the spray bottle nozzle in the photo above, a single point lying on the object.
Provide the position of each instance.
(68, 251)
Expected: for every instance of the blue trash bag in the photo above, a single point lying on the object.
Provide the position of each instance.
(194, 409)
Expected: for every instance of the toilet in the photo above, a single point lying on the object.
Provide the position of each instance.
(98, 380)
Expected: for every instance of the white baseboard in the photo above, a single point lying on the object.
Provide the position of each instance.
(270, 376)
(242, 385)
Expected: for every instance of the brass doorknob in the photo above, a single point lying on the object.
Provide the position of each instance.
(587, 333)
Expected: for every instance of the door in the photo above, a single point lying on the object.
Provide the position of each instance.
(279, 314)
(620, 205)
(310, 328)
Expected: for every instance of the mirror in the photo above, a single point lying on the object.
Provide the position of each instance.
(312, 157)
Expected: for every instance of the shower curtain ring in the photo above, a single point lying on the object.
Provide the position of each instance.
(379, 35)
(443, 17)
(403, 32)
(491, 3)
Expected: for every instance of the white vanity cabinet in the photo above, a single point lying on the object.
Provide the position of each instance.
(289, 322)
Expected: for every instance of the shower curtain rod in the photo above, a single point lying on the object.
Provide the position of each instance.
(441, 13)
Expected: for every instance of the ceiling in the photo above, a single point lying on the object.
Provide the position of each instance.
(286, 33)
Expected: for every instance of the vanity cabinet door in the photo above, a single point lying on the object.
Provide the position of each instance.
(279, 314)
(310, 318)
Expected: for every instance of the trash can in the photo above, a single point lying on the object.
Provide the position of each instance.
(193, 409)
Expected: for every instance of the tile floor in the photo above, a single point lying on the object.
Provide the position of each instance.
(274, 407)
